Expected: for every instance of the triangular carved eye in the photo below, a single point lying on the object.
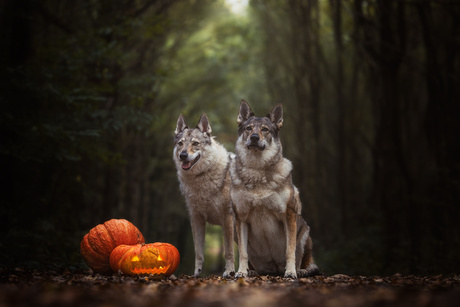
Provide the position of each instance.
(159, 258)
(135, 259)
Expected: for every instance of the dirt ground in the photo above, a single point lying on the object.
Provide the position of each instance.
(20, 287)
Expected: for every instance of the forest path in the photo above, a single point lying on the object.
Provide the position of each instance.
(31, 288)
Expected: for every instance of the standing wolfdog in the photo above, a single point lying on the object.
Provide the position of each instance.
(272, 235)
(203, 171)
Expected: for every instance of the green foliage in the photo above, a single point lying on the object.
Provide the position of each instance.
(214, 68)
(92, 91)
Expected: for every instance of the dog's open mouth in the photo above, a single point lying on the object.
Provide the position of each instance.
(257, 147)
(186, 165)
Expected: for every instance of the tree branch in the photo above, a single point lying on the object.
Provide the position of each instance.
(52, 18)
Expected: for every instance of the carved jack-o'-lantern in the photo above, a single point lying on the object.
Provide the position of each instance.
(101, 240)
(160, 259)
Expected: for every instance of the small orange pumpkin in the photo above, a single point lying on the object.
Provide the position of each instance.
(160, 259)
(101, 240)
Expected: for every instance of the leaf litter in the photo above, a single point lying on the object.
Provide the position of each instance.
(19, 287)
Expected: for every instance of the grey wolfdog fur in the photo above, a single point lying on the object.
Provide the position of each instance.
(272, 235)
(203, 171)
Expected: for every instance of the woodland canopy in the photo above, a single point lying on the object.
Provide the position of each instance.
(91, 91)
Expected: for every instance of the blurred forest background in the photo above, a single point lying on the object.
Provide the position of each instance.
(91, 91)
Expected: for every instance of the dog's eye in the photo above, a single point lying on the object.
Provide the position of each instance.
(248, 128)
(195, 143)
(265, 129)
(180, 143)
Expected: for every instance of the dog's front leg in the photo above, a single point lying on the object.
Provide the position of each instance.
(228, 246)
(290, 228)
(198, 232)
(242, 228)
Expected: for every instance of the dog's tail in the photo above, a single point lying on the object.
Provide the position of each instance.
(308, 266)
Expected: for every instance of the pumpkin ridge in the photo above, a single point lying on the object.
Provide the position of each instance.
(98, 236)
(114, 244)
(90, 246)
(122, 257)
(93, 257)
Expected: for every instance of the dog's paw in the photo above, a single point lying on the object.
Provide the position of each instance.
(252, 273)
(289, 274)
(241, 274)
(229, 274)
(311, 270)
(197, 273)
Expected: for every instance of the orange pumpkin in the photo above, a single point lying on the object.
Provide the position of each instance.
(101, 240)
(160, 259)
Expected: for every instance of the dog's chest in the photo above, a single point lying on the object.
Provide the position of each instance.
(255, 179)
(253, 189)
(267, 241)
(208, 195)
(262, 197)
(261, 185)
(211, 209)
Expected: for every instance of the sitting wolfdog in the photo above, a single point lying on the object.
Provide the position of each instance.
(271, 233)
(203, 171)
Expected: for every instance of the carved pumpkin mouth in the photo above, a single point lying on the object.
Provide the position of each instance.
(158, 271)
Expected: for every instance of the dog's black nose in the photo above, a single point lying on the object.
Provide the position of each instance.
(183, 155)
(255, 138)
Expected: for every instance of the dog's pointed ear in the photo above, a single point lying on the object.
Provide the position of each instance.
(203, 124)
(244, 113)
(181, 125)
(276, 116)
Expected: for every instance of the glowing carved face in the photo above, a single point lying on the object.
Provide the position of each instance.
(149, 262)
(160, 259)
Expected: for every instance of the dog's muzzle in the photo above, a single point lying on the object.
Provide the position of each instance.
(183, 155)
(254, 138)
(186, 164)
(254, 141)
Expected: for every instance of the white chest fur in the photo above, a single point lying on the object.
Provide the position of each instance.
(268, 187)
